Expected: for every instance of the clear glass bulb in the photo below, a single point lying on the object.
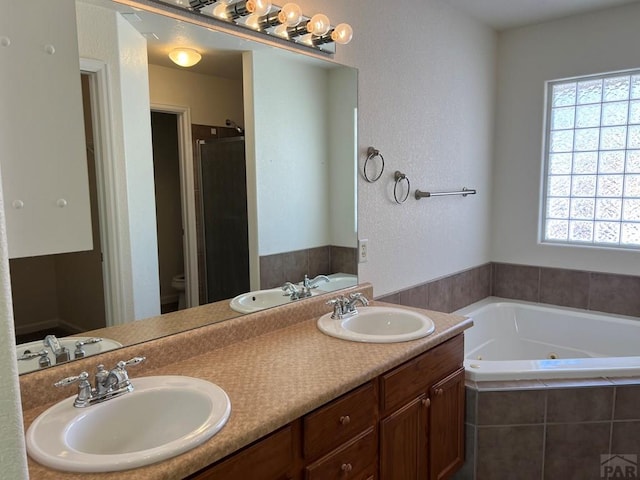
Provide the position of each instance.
(290, 15)
(252, 21)
(259, 7)
(319, 25)
(342, 34)
(220, 11)
(281, 31)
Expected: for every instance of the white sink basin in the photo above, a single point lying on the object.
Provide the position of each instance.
(163, 417)
(378, 325)
(30, 365)
(259, 300)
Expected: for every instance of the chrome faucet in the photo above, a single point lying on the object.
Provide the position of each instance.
(296, 292)
(345, 307)
(313, 283)
(108, 385)
(61, 353)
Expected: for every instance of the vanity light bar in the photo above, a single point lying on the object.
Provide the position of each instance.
(313, 32)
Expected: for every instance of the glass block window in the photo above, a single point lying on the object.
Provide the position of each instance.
(592, 176)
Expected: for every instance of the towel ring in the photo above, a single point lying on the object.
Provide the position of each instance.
(371, 154)
(399, 176)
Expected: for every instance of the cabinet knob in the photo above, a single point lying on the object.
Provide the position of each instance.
(439, 392)
(346, 467)
(426, 402)
(345, 420)
(61, 202)
(17, 204)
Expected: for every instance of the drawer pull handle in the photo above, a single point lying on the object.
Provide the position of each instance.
(346, 467)
(426, 402)
(345, 420)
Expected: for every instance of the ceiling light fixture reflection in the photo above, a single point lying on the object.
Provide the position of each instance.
(184, 57)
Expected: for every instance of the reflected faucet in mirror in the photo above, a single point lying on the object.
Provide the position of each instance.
(303, 290)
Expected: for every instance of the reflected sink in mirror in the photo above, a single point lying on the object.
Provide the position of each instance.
(163, 417)
(274, 297)
(260, 299)
(31, 364)
(378, 325)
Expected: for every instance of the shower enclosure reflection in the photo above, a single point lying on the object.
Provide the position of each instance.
(223, 195)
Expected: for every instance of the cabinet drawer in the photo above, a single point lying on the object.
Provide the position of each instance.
(338, 421)
(355, 460)
(268, 459)
(400, 385)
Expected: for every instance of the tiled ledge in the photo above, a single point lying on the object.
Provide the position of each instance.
(603, 292)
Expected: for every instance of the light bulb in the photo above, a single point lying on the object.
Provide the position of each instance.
(290, 15)
(258, 7)
(281, 31)
(220, 10)
(252, 21)
(318, 25)
(185, 57)
(342, 34)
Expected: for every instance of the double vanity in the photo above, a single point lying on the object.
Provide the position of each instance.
(303, 404)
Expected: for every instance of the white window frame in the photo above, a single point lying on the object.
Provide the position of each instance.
(546, 175)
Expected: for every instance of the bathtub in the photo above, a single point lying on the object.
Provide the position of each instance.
(515, 340)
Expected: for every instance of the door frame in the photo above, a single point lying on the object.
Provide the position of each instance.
(113, 257)
(188, 205)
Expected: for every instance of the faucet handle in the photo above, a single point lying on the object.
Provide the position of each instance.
(131, 362)
(79, 351)
(44, 361)
(338, 306)
(84, 388)
(71, 380)
(359, 296)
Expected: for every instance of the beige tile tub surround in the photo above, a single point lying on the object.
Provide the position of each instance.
(275, 365)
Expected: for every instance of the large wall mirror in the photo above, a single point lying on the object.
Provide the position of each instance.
(232, 176)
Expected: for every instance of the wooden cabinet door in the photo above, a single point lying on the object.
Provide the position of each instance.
(403, 442)
(273, 458)
(446, 426)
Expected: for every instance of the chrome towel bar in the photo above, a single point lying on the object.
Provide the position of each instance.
(464, 192)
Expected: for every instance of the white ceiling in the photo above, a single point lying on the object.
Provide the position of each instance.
(504, 14)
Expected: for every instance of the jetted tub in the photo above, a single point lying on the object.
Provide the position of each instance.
(515, 340)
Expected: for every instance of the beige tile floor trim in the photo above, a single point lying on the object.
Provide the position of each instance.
(272, 378)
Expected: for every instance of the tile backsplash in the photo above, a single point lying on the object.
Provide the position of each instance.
(293, 266)
(603, 292)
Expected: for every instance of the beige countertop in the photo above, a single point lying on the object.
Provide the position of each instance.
(271, 379)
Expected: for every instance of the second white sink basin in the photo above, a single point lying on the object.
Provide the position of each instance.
(163, 417)
(378, 325)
